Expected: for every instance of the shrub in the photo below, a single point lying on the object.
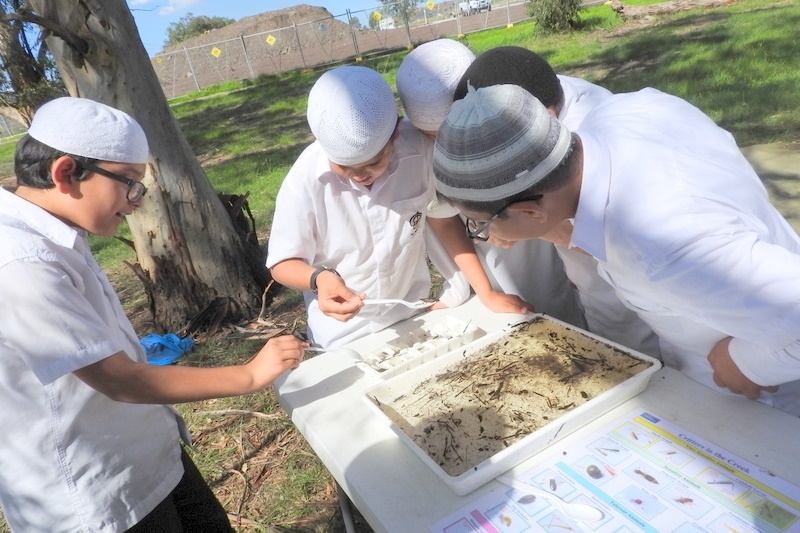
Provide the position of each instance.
(554, 15)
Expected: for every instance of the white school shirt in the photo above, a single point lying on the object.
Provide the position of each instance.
(72, 459)
(373, 237)
(684, 230)
(604, 313)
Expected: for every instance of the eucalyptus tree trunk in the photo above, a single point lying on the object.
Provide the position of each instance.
(190, 256)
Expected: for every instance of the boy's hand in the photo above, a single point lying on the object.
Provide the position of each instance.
(728, 375)
(500, 302)
(335, 299)
(277, 356)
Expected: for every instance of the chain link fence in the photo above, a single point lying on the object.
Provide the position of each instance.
(351, 35)
(10, 129)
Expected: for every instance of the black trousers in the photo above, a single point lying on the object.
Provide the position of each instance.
(190, 508)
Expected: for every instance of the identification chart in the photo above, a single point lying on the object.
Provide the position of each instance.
(643, 474)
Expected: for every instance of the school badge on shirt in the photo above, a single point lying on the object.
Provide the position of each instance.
(415, 221)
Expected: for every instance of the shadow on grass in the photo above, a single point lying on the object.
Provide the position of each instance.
(717, 61)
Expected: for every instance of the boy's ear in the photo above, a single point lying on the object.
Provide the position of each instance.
(64, 172)
(531, 208)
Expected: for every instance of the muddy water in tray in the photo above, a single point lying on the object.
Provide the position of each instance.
(507, 390)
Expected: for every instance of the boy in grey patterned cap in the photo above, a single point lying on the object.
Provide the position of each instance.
(678, 221)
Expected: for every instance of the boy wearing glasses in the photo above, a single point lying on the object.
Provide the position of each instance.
(680, 224)
(89, 440)
(351, 214)
(426, 82)
(569, 100)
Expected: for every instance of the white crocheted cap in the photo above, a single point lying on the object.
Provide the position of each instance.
(352, 113)
(427, 79)
(83, 127)
(495, 143)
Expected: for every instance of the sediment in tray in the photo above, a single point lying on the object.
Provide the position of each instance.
(506, 391)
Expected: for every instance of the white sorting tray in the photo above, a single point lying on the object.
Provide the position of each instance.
(415, 347)
(387, 391)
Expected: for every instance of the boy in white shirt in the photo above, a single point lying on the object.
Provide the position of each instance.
(569, 100)
(352, 212)
(89, 443)
(680, 224)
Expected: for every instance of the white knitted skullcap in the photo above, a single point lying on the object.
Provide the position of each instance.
(427, 79)
(497, 142)
(352, 113)
(83, 127)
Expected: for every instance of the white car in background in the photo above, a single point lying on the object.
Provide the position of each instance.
(470, 7)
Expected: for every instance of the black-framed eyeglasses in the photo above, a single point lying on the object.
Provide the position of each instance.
(136, 190)
(478, 230)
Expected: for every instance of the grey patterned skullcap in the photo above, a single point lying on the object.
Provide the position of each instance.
(496, 142)
(427, 78)
(352, 113)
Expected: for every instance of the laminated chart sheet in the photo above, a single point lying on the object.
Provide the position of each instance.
(644, 474)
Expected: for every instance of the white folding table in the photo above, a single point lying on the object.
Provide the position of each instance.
(396, 492)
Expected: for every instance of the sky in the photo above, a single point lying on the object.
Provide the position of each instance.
(153, 17)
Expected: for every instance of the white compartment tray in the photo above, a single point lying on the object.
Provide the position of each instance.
(415, 347)
(392, 390)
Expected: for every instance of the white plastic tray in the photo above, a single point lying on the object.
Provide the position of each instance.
(386, 392)
(410, 349)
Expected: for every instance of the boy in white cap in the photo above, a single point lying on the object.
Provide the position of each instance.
(89, 443)
(426, 82)
(569, 100)
(351, 214)
(680, 224)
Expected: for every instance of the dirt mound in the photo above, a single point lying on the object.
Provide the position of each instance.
(263, 22)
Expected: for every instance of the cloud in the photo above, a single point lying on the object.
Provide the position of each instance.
(175, 5)
(136, 3)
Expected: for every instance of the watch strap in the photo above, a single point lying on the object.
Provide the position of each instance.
(317, 272)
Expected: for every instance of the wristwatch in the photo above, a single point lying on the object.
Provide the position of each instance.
(316, 273)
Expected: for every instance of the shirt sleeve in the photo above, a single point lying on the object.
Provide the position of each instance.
(784, 362)
(439, 209)
(745, 287)
(456, 287)
(293, 233)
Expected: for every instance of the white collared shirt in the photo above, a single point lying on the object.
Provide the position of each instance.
(373, 237)
(605, 314)
(72, 459)
(685, 232)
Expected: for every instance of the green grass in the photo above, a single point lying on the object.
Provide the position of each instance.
(7, 157)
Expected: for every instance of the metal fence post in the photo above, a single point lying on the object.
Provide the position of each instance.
(299, 44)
(247, 57)
(353, 34)
(191, 67)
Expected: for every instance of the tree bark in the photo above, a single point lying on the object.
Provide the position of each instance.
(190, 256)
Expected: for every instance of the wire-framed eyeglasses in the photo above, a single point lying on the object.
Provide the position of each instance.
(136, 190)
(478, 230)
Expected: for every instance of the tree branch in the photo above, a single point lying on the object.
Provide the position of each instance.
(78, 44)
